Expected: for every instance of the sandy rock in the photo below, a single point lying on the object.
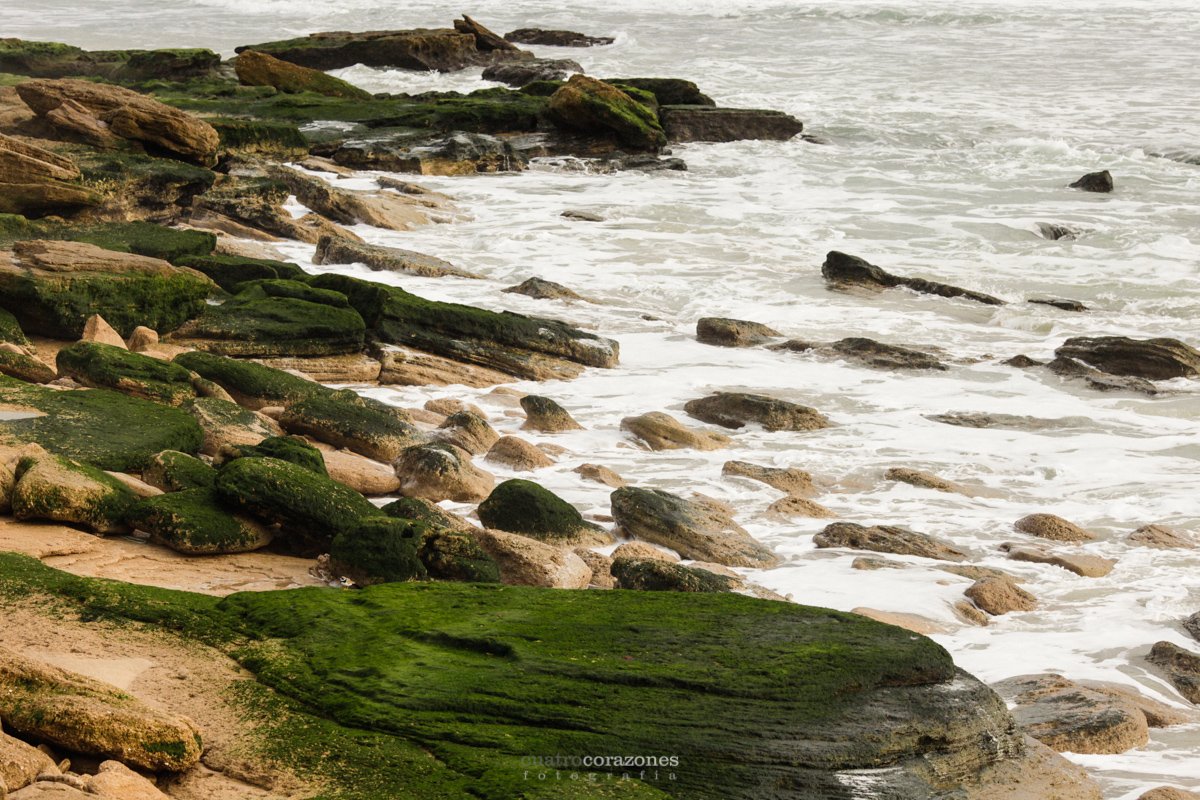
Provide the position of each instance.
(886, 539)
(390, 211)
(1083, 564)
(911, 622)
(660, 431)
(999, 596)
(440, 471)
(51, 790)
(733, 332)
(976, 572)
(21, 763)
(446, 406)
(1049, 526)
(545, 415)
(138, 487)
(643, 551)
(792, 506)
(528, 562)
(206, 388)
(141, 339)
(97, 330)
(1162, 537)
(1038, 774)
(794, 481)
(1158, 715)
(119, 782)
(469, 432)
(360, 473)
(405, 367)
(871, 563)
(1182, 668)
(518, 454)
(970, 613)
(339, 368)
(227, 424)
(540, 289)
(737, 409)
(336, 250)
(260, 69)
(601, 566)
(1169, 793)
(1072, 718)
(52, 488)
(600, 474)
(923, 480)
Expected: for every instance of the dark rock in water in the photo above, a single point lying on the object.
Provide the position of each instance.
(643, 162)
(520, 73)
(1054, 232)
(812, 138)
(1096, 379)
(668, 91)
(886, 539)
(581, 216)
(440, 49)
(542, 290)
(968, 419)
(456, 154)
(710, 124)
(56, 60)
(1182, 156)
(885, 356)
(485, 40)
(736, 409)
(1182, 668)
(841, 269)
(795, 346)
(335, 250)
(1192, 625)
(1095, 182)
(1070, 717)
(733, 332)
(556, 38)
(1065, 305)
(1023, 361)
(1154, 359)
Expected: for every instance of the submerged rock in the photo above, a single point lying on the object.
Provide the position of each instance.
(923, 480)
(1064, 305)
(520, 73)
(1049, 526)
(663, 432)
(1082, 564)
(1073, 718)
(1162, 537)
(792, 506)
(468, 431)
(540, 289)
(733, 332)
(887, 539)
(1000, 595)
(556, 38)
(1182, 668)
(1095, 182)
(335, 250)
(1153, 359)
(885, 356)
(791, 480)
(843, 270)
(600, 474)
(710, 124)
(736, 409)
(1054, 232)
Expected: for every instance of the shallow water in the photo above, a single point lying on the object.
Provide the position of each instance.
(955, 128)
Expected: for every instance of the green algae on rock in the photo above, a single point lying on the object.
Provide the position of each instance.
(252, 385)
(654, 575)
(193, 521)
(593, 106)
(230, 271)
(25, 368)
(50, 487)
(173, 471)
(367, 426)
(524, 507)
(255, 68)
(285, 448)
(104, 366)
(380, 550)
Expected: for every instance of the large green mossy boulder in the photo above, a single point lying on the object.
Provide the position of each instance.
(139, 238)
(595, 107)
(104, 366)
(10, 329)
(173, 471)
(346, 419)
(311, 509)
(161, 186)
(230, 271)
(292, 449)
(193, 521)
(102, 428)
(57, 489)
(25, 368)
(524, 507)
(379, 550)
(667, 91)
(252, 385)
(280, 140)
(452, 555)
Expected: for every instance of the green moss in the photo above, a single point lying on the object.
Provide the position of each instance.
(57, 60)
(367, 426)
(230, 271)
(141, 238)
(599, 108)
(193, 521)
(660, 576)
(105, 366)
(10, 329)
(379, 550)
(666, 91)
(162, 185)
(541, 88)
(259, 136)
(456, 556)
(524, 507)
(105, 429)
(25, 368)
(53, 496)
(245, 379)
(173, 471)
(287, 448)
(294, 289)
(420, 510)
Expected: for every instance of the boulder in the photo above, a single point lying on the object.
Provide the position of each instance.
(455, 555)
(555, 38)
(695, 529)
(1153, 359)
(528, 562)
(1168, 793)
(970, 419)
(35, 182)
(711, 124)
(600, 474)
(346, 207)
(524, 507)
(842, 270)
(252, 385)
(1095, 182)
(379, 550)
(1162, 537)
(1055, 528)
(83, 715)
(434, 516)
(999, 596)
(542, 290)
(792, 506)
(1182, 668)
(1158, 715)
(736, 409)
(1073, 718)
(21, 763)
(663, 432)
(1082, 564)
(95, 329)
(733, 332)
(910, 622)
(440, 471)
(11, 333)
(230, 271)
(25, 367)
(518, 454)
(468, 431)
(54, 287)
(656, 575)
(173, 471)
(334, 250)
(601, 567)
(344, 368)
(364, 475)
(129, 115)
(545, 415)
(50, 487)
(668, 91)
(790, 480)
(103, 366)
(485, 40)
(260, 69)
(228, 424)
(595, 107)
(579, 215)
(1061, 304)
(923, 480)
(520, 73)
(884, 356)
(118, 781)
(887, 539)
(193, 522)
(642, 551)
(423, 49)
(456, 153)
(346, 419)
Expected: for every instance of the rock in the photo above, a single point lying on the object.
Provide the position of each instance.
(976, 572)
(1094, 182)
(524, 507)
(542, 290)
(1072, 718)
(459, 153)
(556, 38)
(923, 480)
(544, 415)
(1192, 625)
(104, 366)
(1049, 526)
(580, 215)
(135, 485)
(520, 73)
(439, 49)
(971, 614)
(792, 506)
(128, 114)
(1158, 715)
(142, 339)
(485, 40)
(346, 419)
(710, 124)
(871, 563)
(401, 366)
(1054, 232)
(885, 356)
(668, 91)
(25, 368)
(1023, 361)
(252, 385)
(662, 432)
(528, 562)
(338, 368)
(440, 471)
(887, 539)
(841, 270)
(1083, 564)
(23, 162)
(967, 419)
(468, 431)
(644, 552)
(656, 575)
(1169, 793)
(696, 530)
(999, 596)
(49, 487)
(226, 424)
(363, 475)
(345, 207)
(518, 454)
(1162, 537)
(910, 622)
(118, 781)
(21, 763)
(1064, 305)
(791, 480)
(334, 250)
(192, 521)
(600, 474)
(1153, 359)
(1181, 667)
(379, 550)
(95, 329)
(601, 567)
(83, 715)
(173, 471)
(260, 69)
(455, 555)
(733, 332)
(599, 108)
(53, 288)
(735, 410)
(433, 515)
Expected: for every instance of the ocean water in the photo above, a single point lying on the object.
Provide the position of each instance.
(954, 128)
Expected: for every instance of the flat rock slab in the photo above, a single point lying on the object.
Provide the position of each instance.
(1073, 718)
(1083, 564)
(887, 539)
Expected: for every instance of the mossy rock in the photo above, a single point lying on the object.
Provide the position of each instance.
(346, 419)
(253, 136)
(10, 329)
(173, 471)
(524, 507)
(667, 91)
(421, 510)
(50, 487)
(261, 289)
(452, 555)
(105, 366)
(230, 271)
(286, 448)
(311, 509)
(379, 550)
(253, 385)
(159, 186)
(598, 108)
(541, 88)
(139, 238)
(193, 521)
(261, 69)
(105, 429)
(653, 575)
(25, 368)
(58, 60)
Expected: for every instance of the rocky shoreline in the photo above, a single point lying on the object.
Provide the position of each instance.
(165, 421)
